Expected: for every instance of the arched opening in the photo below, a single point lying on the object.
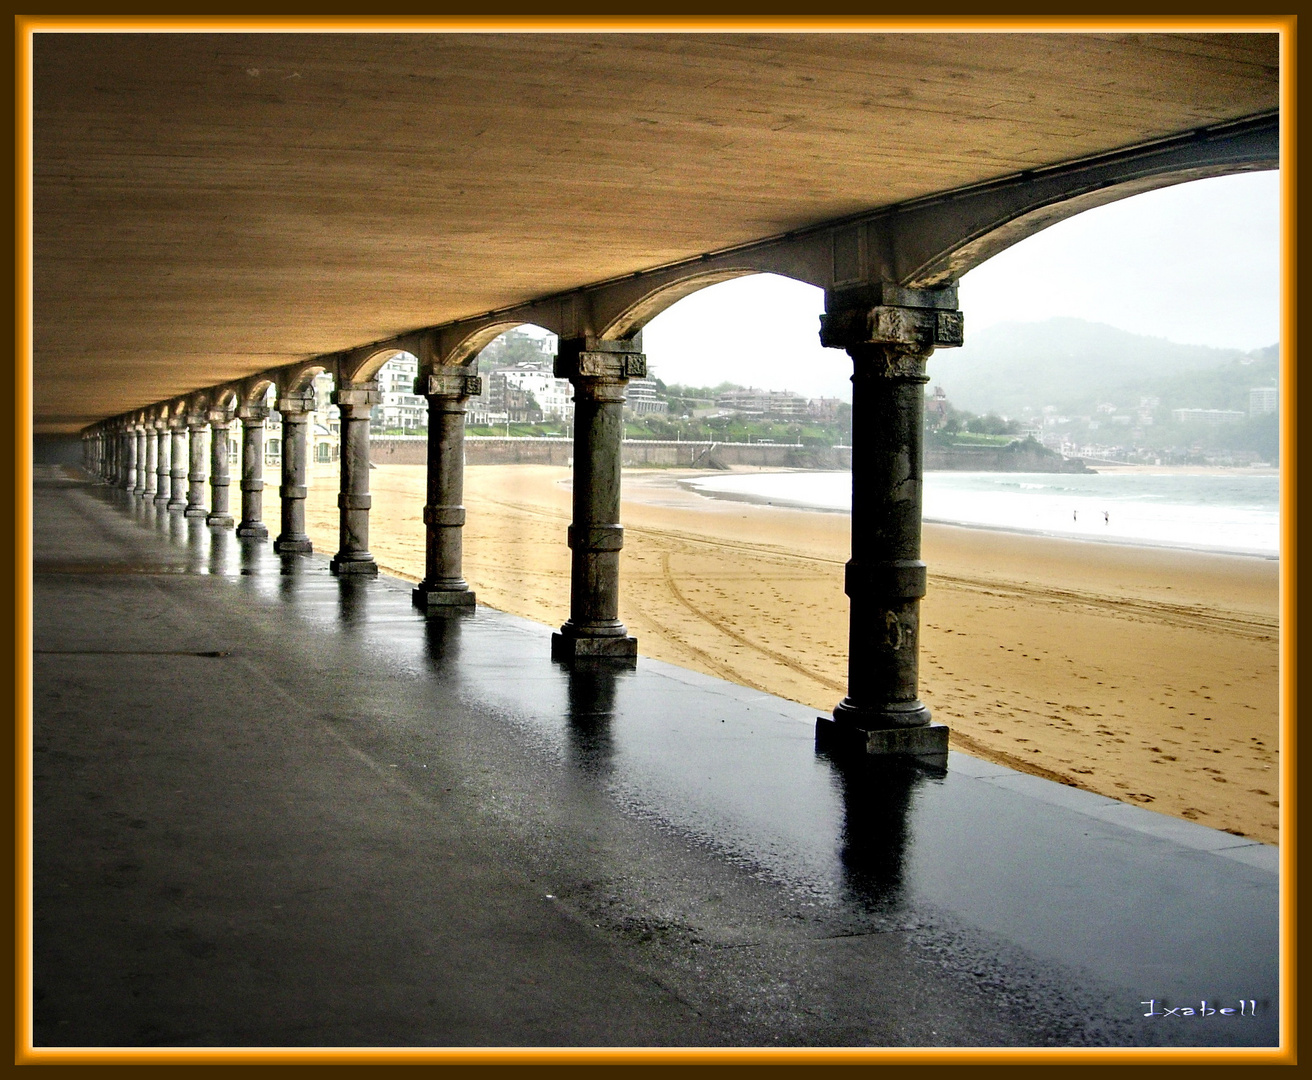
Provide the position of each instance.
(401, 412)
(521, 394)
(1163, 266)
(741, 361)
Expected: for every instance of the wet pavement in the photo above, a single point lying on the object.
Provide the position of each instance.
(277, 808)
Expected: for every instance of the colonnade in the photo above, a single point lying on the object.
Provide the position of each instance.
(889, 333)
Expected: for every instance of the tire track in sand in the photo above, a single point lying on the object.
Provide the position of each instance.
(729, 632)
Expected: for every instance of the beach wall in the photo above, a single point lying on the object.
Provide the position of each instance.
(493, 450)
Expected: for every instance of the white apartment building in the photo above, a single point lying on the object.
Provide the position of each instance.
(641, 398)
(1263, 400)
(555, 397)
(401, 407)
(1207, 416)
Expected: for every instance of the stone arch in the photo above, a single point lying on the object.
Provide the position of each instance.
(254, 390)
(198, 402)
(297, 379)
(629, 321)
(944, 249)
(466, 349)
(225, 397)
(362, 365)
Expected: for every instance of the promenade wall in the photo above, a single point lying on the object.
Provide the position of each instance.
(494, 450)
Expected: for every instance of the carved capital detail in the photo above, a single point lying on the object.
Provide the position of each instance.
(595, 359)
(249, 414)
(920, 329)
(357, 395)
(449, 382)
(296, 404)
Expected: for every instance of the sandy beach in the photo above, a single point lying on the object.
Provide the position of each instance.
(1145, 674)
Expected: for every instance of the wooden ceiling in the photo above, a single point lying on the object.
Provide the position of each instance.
(206, 206)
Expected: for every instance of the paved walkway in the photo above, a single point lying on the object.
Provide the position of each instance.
(273, 808)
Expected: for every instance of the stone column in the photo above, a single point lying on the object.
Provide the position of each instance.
(889, 332)
(295, 410)
(355, 401)
(448, 391)
(162, 477)
(150, 461)
(600, 371)
(197, 423)
(252, 471)
(139, 485)
(219, 419)
(129, 481)
(178, 464)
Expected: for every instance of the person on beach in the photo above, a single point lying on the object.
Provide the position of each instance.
(1106, 518)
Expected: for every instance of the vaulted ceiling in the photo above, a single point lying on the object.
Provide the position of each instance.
(206, 206)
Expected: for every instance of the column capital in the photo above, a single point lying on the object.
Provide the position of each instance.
(366, 393)
(449, 382)
(252, 413)
(598, 358)
(295, 404)
(356, 400)
(198, 421)
(219, 417)
(911, 329)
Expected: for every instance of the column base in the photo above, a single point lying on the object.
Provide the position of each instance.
(428, 599)
(929, 740)
(293, 546)
(161, 500)
(196, 512)
(256, 530)
(349, 564)
(571, 647)
(177, 505)
(220, 520)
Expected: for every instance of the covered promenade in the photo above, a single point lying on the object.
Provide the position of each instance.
(278, 807)
(281, 799)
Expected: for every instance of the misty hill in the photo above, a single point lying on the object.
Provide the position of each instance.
(1074, 364)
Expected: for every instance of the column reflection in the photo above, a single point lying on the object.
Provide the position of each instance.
(198, 535)
(878, 796)
(442, 636)
(352, 601)
(590, 712)
(222, 552)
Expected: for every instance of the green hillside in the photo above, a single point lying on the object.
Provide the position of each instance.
(1074, 365)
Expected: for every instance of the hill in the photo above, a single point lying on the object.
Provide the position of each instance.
(1073, 365)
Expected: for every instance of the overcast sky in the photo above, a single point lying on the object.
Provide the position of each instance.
(1197, 263)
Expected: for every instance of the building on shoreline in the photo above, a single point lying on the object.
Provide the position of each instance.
(1207, 416)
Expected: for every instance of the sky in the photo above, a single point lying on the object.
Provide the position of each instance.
(1197, 263)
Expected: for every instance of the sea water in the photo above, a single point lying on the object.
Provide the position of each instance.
(1234, 512)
